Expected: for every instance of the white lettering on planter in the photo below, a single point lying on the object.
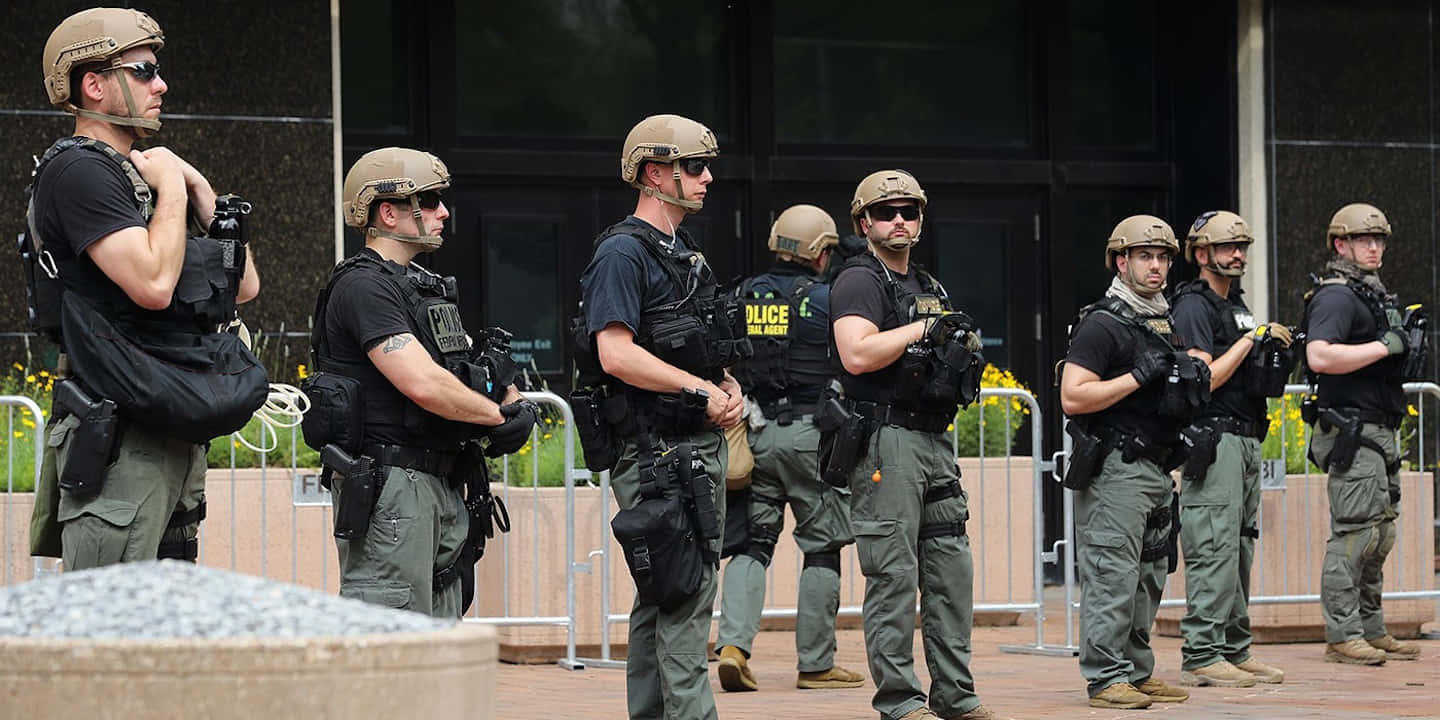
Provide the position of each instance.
(306, 490)
(1272, 474)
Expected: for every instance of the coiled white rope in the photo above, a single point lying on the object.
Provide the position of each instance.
(285, 407)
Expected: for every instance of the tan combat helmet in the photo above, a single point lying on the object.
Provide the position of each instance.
(1356, 219)
(1139, 231)
(99, 35)
(886, 185)
(1217, 227)
(803, 231)
(666, 139)
(393, 173)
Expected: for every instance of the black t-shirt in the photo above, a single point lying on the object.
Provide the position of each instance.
(365, 308)
(623, 280)
(81, 197)
(1107, 347)
(1338, 315)
(1206, 329)
(861, 291)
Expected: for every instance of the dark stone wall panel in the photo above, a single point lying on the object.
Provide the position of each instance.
(1314, 182)
(224, 57)
(1341, 71)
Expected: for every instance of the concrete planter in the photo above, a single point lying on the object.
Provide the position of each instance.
(1295, 522)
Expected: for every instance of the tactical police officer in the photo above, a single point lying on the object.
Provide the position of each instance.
(1127, 393)
(1361, 346)
(655, 336)
(1220, 495)
(402, 389)
(787, 318)
(107, 257)
(907, 359)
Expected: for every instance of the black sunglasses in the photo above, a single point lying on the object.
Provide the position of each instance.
(695, 166)
(144, 71)
(430, 199)
(886, 213)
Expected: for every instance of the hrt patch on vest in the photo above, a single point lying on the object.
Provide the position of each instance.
(446, 328)
(1161, 326)
(1244, 321)
(926, 305)
(767, 318)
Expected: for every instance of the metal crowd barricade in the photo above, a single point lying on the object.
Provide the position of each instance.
(1264, 592)
(1029, 600)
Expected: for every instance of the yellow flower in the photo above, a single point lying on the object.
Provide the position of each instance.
(19, 434)
(19, 367)
(27, 422)
(1412, 411)
(950, 427)
(301, 371)
(546, 436)
(548, 421)
(44, 373)
(30, 379)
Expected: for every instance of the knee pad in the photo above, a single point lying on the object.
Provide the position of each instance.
(187, 550)
(827, 559)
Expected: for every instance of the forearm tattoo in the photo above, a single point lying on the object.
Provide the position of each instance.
(397, 342)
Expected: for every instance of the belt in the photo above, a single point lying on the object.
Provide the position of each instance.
(772, 409)
(1155, 452)
(1249, 428)
(1374, 417)
(435, 462)
(909, 419)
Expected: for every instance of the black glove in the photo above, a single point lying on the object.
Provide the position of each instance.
(1151, 366)
(939, 329)
(511, 435)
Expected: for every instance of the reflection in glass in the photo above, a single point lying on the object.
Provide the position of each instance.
(1112, 73)
(372, 69)
(589, 68)
(972, 265)
(522, 295)
(859, 73)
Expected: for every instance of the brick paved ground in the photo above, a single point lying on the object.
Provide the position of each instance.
(1015, 686)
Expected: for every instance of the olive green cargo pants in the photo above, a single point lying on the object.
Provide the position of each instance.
(152, 478)
(1218, 558)
(886, 516)
(1362, 533)
(419, 525)
(1119, 593)
(665, 669)
(786, 472)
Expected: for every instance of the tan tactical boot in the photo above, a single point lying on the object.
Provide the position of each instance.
(920, 713)
(1394, 649)
(1262, 672)
(1220, 674)
(1160, 692)
(1354, 652)
(980, 712)
(835, 677)
(735, 675)
(1122, 696)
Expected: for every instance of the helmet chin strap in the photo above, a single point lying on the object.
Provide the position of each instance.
(142, 126)
(691, 206)
(1140, 289)
(428, 241)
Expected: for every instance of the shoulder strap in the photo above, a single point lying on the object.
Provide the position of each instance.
(649, 240)
(317, 328)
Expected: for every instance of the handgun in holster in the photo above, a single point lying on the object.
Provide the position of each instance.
(1201, 442)
(361, 491)
(1087, 453)
(92, 444)
(1347, 438)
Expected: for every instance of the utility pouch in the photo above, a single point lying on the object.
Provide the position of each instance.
(1087, 452)
(661, 550)
(1347, 439)
(699, 489)
(1136, 447)
(597, 436)
(679, 339)
(843, 449)
(1200, 444)
(361, 491)
(916, 367)
(1270, 364)
(335, 416)
(92, 443)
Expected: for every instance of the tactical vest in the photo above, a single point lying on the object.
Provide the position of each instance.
(1230, 320)
(430, 300)
(204, 296)
(782, 370)
(1136, 412)
(902, 383)
(1386, 376)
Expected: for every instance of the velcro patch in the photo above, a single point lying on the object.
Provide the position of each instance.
(446, 328)
(767, 319)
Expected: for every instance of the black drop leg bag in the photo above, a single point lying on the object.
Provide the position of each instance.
(661, 550)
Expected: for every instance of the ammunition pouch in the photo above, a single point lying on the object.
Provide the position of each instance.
(1087, 455)
(336, 415)
(93, 443)
(596, 415)
(1201, 441)
(1268, 368)
(191, 385)
(1187, 387)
